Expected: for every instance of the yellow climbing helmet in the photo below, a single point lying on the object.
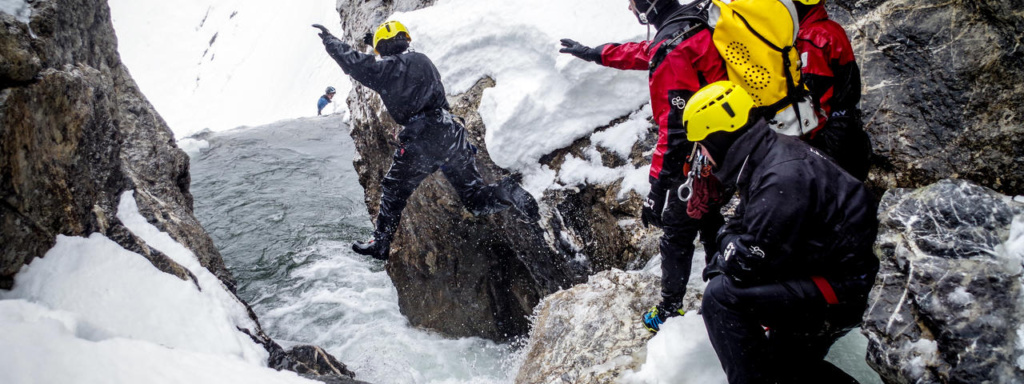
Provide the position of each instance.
(388, 30)
(720, 106)
(808, 2)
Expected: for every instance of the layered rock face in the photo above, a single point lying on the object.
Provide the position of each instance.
(67, 106)
(76, 132)
(942, 89)
(946, 306)
(481, 276)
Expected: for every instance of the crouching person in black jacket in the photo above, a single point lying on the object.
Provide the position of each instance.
(795, 264)
(410, 87)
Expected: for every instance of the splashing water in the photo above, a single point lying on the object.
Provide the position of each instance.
(283, 203)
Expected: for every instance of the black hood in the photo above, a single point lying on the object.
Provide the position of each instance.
(744, 153)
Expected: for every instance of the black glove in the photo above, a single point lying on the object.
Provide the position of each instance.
(584, 52)
(323, 31)
(368, 38)
(713, 268)
(654, 205)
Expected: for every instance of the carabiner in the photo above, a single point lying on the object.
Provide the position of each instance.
(688, 186)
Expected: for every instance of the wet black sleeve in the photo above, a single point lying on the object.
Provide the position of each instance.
(763, 242)
(364, 68)
(847, 88)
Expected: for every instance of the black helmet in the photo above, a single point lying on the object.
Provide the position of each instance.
(645, 9)
(330, 90)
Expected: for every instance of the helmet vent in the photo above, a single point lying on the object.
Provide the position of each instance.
(728, 109)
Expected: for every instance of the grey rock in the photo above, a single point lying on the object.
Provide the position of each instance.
(591, 332)
(77, 133)
(946, 306)
(942, 89)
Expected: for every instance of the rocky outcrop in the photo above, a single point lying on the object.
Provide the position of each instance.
(590, 333)
(942, 84)
(946, 306)
(481, 276)
(76, 132)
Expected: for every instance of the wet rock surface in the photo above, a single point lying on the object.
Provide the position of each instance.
(942, 84)
(946, 306)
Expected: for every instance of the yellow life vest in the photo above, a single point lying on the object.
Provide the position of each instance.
(757, 40)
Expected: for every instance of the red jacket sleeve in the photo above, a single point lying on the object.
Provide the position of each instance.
(627, 56)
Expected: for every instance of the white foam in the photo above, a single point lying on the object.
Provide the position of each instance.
(193, 147)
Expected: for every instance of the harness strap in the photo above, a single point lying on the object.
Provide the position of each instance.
(826, 290)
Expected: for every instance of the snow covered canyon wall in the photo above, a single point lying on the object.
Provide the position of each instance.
(75, 135)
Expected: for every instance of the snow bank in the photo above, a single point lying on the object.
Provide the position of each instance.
(680, 353)
(55, 346)
(229, 63)
(17, 8)
(543, 99)
(119, 293)
(617, 140)
(90, 300)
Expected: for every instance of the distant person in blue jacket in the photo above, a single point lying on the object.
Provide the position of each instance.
(324, 100)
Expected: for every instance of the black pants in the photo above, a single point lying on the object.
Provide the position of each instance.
(677, 243)
(843, 138)
(801, 329)
(429, 143)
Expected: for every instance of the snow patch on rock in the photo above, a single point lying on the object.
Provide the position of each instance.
(17, 8)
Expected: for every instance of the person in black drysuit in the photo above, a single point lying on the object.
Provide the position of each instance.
(796, 259)
(410, 87)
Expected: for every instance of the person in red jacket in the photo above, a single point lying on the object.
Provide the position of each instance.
(680, 59)
(831, 73)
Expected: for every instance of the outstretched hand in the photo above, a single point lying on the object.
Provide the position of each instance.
(584, 52)
(323, 31)
(572, 47)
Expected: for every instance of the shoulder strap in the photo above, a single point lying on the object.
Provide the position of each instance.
(668, 46)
